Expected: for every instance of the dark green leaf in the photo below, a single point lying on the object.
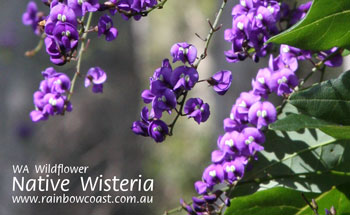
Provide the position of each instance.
(325, 26)
(329, 101)
(296, 122)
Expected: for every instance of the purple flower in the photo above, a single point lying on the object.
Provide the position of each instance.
(213, 174)
(262, 113)
(141, 127)
(163, 102)
(234, 169)
(287, 52)
(196, 109)
(243, 103)
(54, 51)
(283, 61)
(67, 36)
(50, 99)
(31, 17)
(283, 82)
(52, 104)
(221, 81)
(80, 7)
(260, 86)
(232, 125)
(183, 52)
(158, 130)
(95, 76)
(163, 76)
(218, 156)
(134, 7)
(105, 26)
(184, 78)
(227, 142)
(61, 13)
(200, 187)
(250, 140)
(300, 12)
(54, 82)
(335, 61)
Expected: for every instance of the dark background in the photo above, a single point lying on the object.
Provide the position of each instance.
(97, 133)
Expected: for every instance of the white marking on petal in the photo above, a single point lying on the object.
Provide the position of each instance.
(261, 80)
(240, 25)
(229, 142)
(212, 173)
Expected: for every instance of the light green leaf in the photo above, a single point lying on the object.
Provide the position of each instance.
(283, 201)
(345, 53)
(325, 26)
(274, 201)
(329, 101)
(296, 122)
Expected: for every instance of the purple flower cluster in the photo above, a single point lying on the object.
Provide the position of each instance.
(168, 89)
(131, 7)
(62, 26)
(249, 115)
(254, 22)
(51, 97)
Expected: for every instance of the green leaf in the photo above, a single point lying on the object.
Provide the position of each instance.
(308, 160)
(296, 122)
(278, 201)
(329, 101)
(275, 201)
(339, 197)
(345, 53)
(325, 26)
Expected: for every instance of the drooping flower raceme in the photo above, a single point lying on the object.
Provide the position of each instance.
(167, 93)
(254, 22)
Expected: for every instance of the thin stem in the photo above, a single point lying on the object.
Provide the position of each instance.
(213, 28)
(322, 74)
(179, 113)
(33, 52)
(174, 210)
(80, 56)
(310, 205)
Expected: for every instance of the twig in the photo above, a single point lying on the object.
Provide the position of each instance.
(33, 52)
(313, 208)
(179, 113)
(80, 56)
(213, 28)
